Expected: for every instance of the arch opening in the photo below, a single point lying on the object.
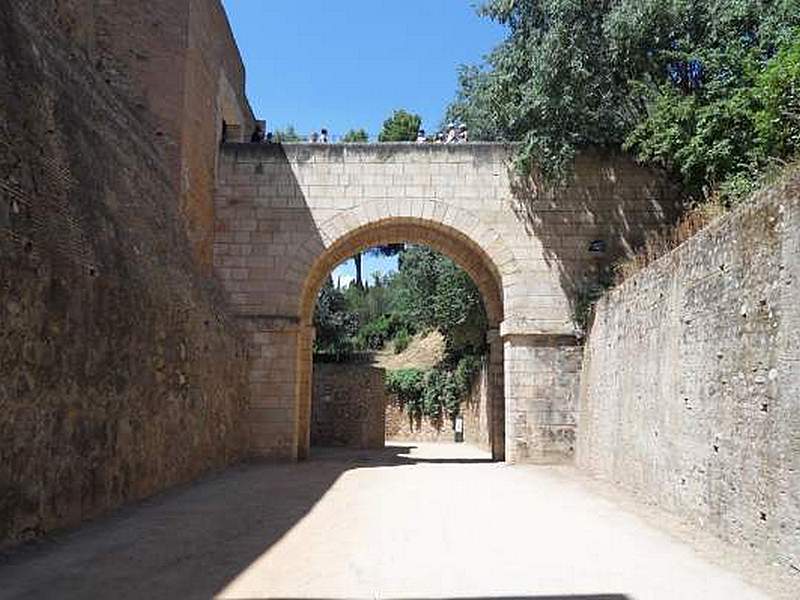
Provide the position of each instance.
(464, 252)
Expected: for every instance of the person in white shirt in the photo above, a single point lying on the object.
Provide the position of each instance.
(452, 134)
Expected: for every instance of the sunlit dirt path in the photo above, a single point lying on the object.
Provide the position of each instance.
(432, 521)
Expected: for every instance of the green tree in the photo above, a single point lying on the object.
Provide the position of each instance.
(335, 323)
(287, 134)
(402, 126)
(431, 291)
(383, 250)
(356, 136)
(674, 81)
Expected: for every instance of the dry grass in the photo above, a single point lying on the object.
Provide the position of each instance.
(666, 239)
(694, 220)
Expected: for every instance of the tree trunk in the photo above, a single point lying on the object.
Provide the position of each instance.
(359, 280)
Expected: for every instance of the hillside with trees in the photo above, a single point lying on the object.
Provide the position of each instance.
(428, 293)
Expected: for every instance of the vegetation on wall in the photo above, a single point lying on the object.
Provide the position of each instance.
(428, 292)
(705, 88)
(287, 134)
(402, 126)
(355, 136)
(436, 393)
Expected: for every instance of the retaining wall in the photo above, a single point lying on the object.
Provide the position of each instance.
(690, 392)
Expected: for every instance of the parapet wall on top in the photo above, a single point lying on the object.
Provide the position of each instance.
(690, 393)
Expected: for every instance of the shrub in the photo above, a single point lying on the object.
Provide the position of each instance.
(375, 334)
(408, 385)
(437, 392)
(401, 341)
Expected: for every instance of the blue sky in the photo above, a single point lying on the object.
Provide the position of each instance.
(343, 64)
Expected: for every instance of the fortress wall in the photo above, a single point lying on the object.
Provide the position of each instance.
(120, 373)
(180, 61)
(690, 393)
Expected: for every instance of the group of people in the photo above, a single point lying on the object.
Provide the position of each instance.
(259, 137)
(455, 134)
(319, 138)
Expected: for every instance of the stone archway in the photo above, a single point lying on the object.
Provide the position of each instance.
(286, 214)
(450, 242)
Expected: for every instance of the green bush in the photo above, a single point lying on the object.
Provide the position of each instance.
(375, 334)
(777, 91)
(401, 341)
(408, 385)
(436, 392)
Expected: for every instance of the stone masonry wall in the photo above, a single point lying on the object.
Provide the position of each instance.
(348, 406)
(287, 214)
(690, 392)
(120, 373)
(179, 59)
(474, 409)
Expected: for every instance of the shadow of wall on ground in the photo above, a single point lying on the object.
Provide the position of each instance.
(191, 541)
(601, 215)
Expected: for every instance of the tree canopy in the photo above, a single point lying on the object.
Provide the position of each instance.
(706, 88)
(429, 291)
(287, 134)
(355, 136)
(402, 126)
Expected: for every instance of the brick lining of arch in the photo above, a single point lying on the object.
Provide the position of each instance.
(463, 251)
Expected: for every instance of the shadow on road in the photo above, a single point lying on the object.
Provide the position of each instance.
(559, 597)
(191, 541)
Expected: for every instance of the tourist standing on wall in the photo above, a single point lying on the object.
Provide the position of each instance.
(258, 135)
(452, 134)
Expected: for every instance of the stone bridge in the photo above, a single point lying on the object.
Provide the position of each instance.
(286, 215)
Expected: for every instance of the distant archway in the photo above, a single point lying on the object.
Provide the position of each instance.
(450, 242)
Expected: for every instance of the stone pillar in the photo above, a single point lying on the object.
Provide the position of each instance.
(276, 380)
(305, 384)
(496, 396)
(541, 374)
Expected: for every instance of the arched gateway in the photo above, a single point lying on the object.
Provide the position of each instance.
(287, 214)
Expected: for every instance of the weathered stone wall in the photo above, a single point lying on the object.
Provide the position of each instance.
(475, 409)
(120, 373)
(179, 59)
(691, 382)
(348, 406)
(288, 214)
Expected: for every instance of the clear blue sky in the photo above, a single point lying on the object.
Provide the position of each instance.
(344, 64)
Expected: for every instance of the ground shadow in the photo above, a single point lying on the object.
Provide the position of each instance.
(558, 597)
(191, 541)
